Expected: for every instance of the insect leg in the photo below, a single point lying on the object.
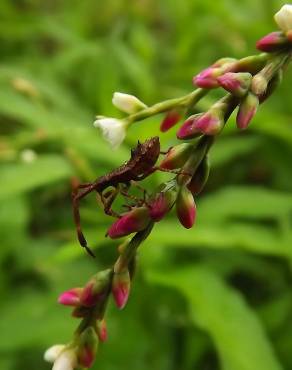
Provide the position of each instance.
(108, 201)
(76, 213)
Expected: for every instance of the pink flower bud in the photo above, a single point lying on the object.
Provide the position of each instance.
(209, 123)
(172, 117)
(102, 330)
(247, 109)
(161, 204)
(133, 221)
(207, 79)
(236, 83)
(71, 297)
(121, 288)
(272, 42)
(187, 131)
(176, 156)
(186, 208)
(87, 348)
(95, 289)
(200, 177)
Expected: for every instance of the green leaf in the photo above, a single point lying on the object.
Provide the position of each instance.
(22, 177)
(221, 311)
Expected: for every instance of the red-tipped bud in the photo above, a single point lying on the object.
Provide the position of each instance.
(176, 156)
(133, 221)
(172, 117)
(247, 110)
(209, 123)
(71, 297)
(207, 79)
(186, 208)
(237, 84)
(95, 289)
(87, 348)
(200, 177)
(161, 204)
(102, 330)
(121, 288)
(186, 131)
(272, 42)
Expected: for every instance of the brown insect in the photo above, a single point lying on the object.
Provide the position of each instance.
(138, 167)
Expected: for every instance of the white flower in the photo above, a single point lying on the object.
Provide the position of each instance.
(113, 130)
(284, 18)
(127, 103)
(53, 352)
(62, 357)
(67, 360)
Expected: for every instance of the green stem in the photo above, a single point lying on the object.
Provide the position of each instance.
(182, 102)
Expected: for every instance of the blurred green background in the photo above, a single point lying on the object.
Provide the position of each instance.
(214, 297)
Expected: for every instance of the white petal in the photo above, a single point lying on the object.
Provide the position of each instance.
(113, 130)
(66, 361)
(53, 352)
(127, 103)
(284, 18)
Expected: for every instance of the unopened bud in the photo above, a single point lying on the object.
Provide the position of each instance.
(87, 348)
(161, 204)
(207, 79)
(259, 84)
(95, 289)
(273, 84)
(209, 123)
(247, 110)
(121, 287)
(186, 208)
(200, 177)
(236, 83)
(176, 156)
(272, 42)
(102, 330)
(71, 297)
(133, 221)
(127, 103)
(172, 118)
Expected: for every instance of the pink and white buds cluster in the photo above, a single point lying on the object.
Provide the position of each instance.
(113, 130)
(177, 156)
(283, 18)
(87, 347)
(63, 357)
(237, 84)
(208, 78)
(172, 118)
(135, 220)
(121, 285)
(127, 103)
(247, 110)
(186, 207)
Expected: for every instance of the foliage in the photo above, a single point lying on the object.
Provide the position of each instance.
(215, 297)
